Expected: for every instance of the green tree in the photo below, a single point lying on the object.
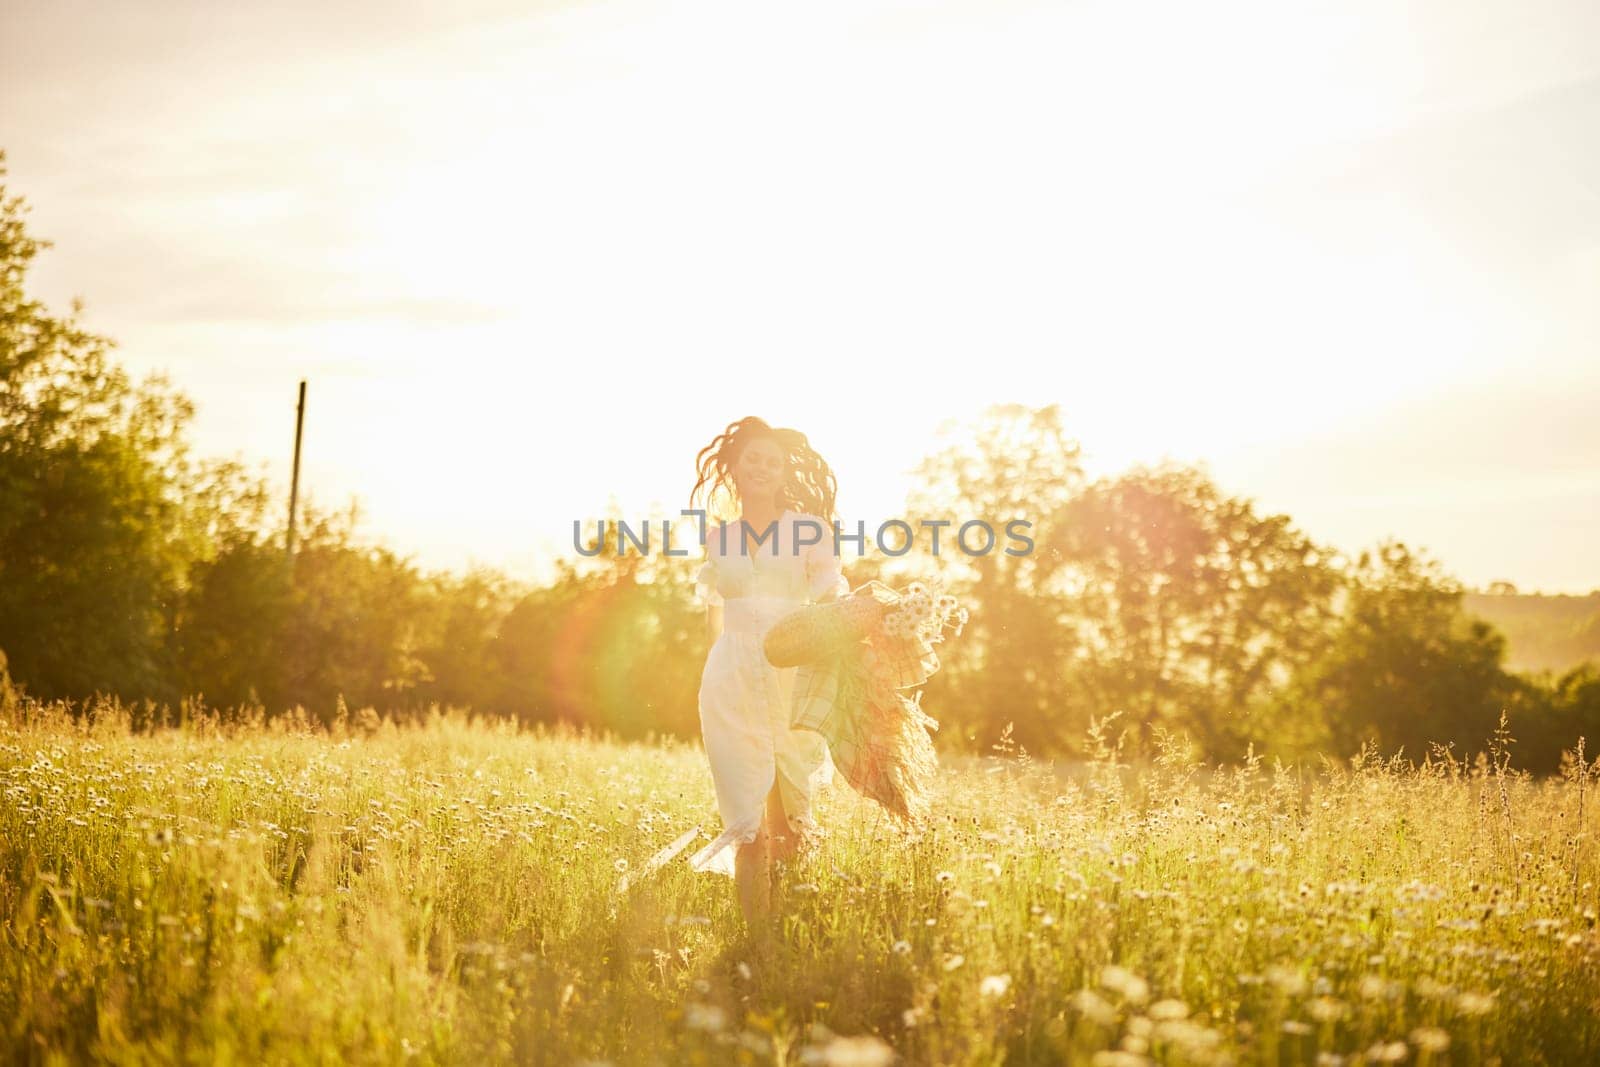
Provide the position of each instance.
(353, 622)
(1573, 713)
(229, 641)
(1405, 667)
(1191, 610)
(460, 620)
(342, 619)
(98, 520)
(1012, 663)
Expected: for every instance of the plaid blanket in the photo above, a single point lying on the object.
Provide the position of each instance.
(848, 688)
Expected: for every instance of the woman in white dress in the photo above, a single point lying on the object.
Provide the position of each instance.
(765, 773)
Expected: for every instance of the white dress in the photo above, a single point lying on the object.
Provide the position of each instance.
(744, 700)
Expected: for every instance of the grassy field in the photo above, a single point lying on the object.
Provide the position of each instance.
(451, 892)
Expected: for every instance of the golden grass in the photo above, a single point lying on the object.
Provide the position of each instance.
(448, 892)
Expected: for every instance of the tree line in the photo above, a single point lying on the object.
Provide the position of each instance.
(1152, 599)
(1157, 597)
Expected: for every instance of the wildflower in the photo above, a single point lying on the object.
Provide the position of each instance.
(1118, 1058)
(1430, 1039)
(1372, 987)
(1287, 979)
(1169, 1010)
(707, 1017)
(994, 985)
(902, 948)
(1095, 1008)
(952, 962)
(1196, 1039)
(1121, 980)
(1393, 1052)
(862, 1051)
(1475, 1003)
(1329, 1009)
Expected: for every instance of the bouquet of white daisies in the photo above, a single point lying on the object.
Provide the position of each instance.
(855, 656)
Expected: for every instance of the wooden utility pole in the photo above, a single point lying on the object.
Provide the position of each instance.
(294, 480)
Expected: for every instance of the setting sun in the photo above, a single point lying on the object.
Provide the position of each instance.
(489, 239)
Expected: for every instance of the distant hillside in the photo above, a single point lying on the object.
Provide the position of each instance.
(1542, 632)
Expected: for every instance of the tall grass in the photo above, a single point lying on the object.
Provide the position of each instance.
(448, 892)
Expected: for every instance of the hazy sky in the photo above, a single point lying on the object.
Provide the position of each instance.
(533, 256)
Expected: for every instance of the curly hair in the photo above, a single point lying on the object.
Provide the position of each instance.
(808, 487)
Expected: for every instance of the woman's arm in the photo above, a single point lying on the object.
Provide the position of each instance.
(713, 623)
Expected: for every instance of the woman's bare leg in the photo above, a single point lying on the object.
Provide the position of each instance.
(778, 833)
(780, 846)
(750, 864)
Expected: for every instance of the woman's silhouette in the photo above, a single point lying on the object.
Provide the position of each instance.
(760, 567)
